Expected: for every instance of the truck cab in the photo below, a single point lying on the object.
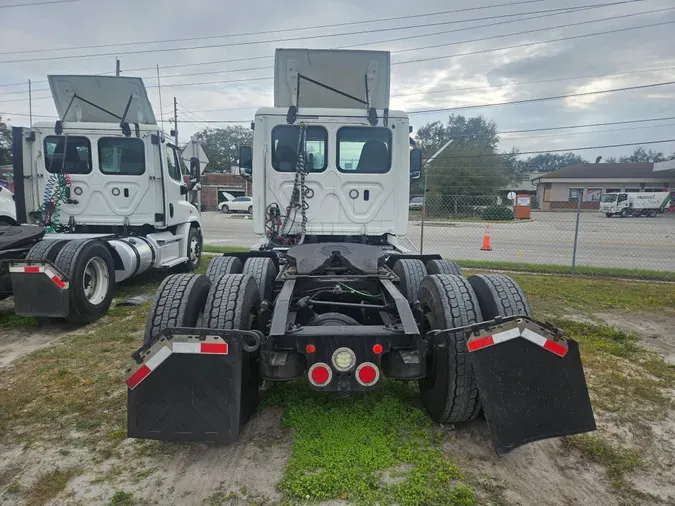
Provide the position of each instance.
(356, 161)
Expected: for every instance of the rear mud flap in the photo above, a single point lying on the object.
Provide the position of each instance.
(40, 289)
(530, 381)
(193, 385)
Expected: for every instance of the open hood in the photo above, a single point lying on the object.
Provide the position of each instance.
(109, 93)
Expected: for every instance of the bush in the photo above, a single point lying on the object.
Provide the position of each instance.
(497, 213)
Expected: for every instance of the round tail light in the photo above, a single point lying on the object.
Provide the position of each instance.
(367, 374)
(320, 374)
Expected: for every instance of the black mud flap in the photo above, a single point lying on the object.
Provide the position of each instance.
(531, 384)
(40, 289)
(193, 385)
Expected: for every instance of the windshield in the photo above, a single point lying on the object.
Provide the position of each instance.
(608, 197)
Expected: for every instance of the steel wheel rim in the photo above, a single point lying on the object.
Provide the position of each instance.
(96, 280)
(194, 250)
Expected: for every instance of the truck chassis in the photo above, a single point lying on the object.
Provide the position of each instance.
(345, 315)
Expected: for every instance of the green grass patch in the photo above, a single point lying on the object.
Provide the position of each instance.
(616, 460)
(558, 295)
(73, 393)
(121, 498)
(224, 249)
(343, 447)
(9, 320)
(611, 272)
(47, 486)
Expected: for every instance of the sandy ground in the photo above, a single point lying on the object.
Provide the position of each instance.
(246, 472)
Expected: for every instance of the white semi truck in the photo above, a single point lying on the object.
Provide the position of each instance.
(634, 204)
(102, 198)
(333, 291)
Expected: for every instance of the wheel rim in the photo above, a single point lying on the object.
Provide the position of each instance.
(96, 280)
(250, 210)
(194, 250)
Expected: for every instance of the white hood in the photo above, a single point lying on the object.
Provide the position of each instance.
(107, 92)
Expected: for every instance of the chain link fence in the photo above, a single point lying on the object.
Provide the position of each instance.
(455, 226)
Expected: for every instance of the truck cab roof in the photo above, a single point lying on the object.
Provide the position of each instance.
(311, 113)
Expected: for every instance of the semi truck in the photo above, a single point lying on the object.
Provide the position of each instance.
(333, 292)
(101, 198)
(634, 204)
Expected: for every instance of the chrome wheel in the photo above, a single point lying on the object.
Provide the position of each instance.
(96, 282)
(195, 252)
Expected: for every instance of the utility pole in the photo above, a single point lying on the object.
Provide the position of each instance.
(175, 121)
(30, 104)
(117, 67)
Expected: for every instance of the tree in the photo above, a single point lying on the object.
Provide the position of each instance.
(642, 155)
(548, 162)
(221, 145)
(472, 164)
(5, 144)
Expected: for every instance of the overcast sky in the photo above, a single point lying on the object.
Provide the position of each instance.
(444, 82)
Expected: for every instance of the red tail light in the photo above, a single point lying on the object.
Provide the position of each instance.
(367, 374)
(320, 374)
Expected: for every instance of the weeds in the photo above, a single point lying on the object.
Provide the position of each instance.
(615, 459)
(121, 498)
(48, 486)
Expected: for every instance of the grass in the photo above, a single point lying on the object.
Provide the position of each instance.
(48, 486)
(610, 272)
(121, 498)
(615, 459)
(342, 448)
(224, 249)
(11, 321)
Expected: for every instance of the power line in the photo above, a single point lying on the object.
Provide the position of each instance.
(541, 99)
(37, 3)
(263, 32)
(246, 43)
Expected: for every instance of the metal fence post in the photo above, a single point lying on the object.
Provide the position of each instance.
(576, 233)
(424, 210)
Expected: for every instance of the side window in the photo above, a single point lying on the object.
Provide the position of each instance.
(623, 197)
(364, 150)
(285, 148)
(67, 153)
(122, 156)
(172, 163)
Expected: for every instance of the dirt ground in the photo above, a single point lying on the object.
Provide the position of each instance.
(246, 472)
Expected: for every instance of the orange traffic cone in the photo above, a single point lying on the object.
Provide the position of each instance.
(487, 243)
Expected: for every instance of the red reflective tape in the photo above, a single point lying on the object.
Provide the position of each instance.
(556, 348)
(217, 348)
(138, 376)
(31, 269)
(58, 281)
(481, 342)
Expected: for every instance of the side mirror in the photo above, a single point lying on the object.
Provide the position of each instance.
(415, 164)
(184, 189)
(245, 160)
(195, 169)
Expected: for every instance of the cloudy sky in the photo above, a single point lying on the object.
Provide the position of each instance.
(429, 45)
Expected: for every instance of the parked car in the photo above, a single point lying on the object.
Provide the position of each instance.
(416, 204)
(238, 205)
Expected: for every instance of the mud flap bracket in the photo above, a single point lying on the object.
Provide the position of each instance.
(40, 289)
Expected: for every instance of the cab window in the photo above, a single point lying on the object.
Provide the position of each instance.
(172, 163)
(67, 153)
(121, 156)
(364, 150)
(285, 148)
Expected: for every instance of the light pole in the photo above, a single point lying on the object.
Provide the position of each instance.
(424, 196)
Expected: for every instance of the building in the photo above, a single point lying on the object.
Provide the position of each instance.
(215, 185)
(559, 190)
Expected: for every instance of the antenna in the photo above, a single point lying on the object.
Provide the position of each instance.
(117, 67)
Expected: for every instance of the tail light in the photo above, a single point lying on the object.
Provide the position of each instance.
(367, 374)
(320, 374)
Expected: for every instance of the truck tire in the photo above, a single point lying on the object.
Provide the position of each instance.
(264, 272)
(220, 266)
(410, 273)
(449, 391)
(499, 295)
(652, 213)
(233, 303)
(194, 251)
(91, 272)
(178, 302)
(609, 215)
(46, 250)
(443, 267)
(625, 213)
